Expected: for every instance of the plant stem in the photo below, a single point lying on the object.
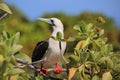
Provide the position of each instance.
(3, 16)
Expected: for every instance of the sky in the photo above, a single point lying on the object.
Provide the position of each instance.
(36, 8)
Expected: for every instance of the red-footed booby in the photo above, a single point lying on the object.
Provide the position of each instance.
(50, 51)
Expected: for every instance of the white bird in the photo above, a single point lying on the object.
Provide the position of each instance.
(50, 51)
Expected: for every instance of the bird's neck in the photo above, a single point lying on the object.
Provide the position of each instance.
(55, 31)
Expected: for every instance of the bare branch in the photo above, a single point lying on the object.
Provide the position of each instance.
(26, 63)
(3, 16)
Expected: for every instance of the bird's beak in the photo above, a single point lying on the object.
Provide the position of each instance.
(45, 20)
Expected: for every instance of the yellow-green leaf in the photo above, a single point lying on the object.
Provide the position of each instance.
(108, 61)
(79, 45)
(76, 27)
(23, 57)
(101, 32)
(14, 72)
(95, 77)
(13, 61)
(107, 76)
(72, 72)
(74, 58)
(59, 35)
(89, 26)
(5, 8)
(15, 49)
(86, 43)
(117, 68)
(15, 39)
(1, 58)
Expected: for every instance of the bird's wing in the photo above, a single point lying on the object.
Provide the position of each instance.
(40, 50)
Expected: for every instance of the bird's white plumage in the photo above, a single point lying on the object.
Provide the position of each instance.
(53, 53)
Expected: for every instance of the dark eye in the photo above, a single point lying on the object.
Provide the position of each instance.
(52, 21)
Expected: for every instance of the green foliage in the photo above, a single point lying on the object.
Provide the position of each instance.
(35, 29)
(4, 7)
(94, 55)
(107, 76)
(8, 48)
(23, 57)
(14, 72)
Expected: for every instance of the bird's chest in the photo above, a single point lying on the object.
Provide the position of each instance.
(54, 49)
(54, 52)
(54, 46)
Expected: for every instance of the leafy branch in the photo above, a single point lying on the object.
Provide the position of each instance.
(13, 62)
(4, 10)
(93, 54)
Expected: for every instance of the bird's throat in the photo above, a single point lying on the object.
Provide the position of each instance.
(54, 34)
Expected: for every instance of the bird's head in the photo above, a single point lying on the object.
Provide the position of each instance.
(56, 25)
(54, 22)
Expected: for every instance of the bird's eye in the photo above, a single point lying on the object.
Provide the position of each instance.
(52, 21)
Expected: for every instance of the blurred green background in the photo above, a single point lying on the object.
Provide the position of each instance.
(34, 31)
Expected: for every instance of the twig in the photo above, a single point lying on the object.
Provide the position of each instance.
(26, 63)
(3, 16)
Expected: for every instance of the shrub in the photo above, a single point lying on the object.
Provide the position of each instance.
(93, 57)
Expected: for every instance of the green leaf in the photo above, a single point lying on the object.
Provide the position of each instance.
(107, 49)
(86, 43)
(105, 40)
(95, 77)
(89, 27)
(107, 61)
(97, 68)
(14, 72)
(16, 48)
(76, 27)
(15, 39)
(3, 67)
(117, 68)
(59, 35)
(81, 71)
(5, 35)
(74, 58)
(97, 43)
(13, 61)
(78, 76)
(110, 48)
(107, 76)
(4, 7)
(101, 32)
(83, 27)
(79, 45)
(23, 57)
